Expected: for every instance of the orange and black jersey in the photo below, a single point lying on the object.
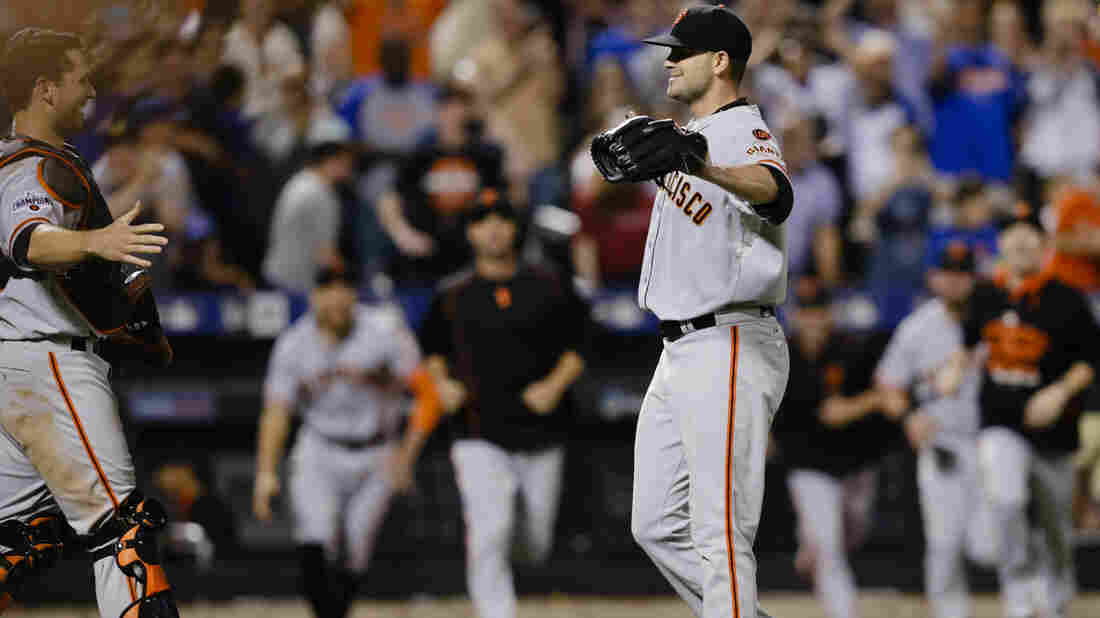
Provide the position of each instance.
(804, 441)
(1034, 335)
(498, 337)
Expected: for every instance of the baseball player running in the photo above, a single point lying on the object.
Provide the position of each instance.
(503, 341)
(831, 441)
(943, 430)
(1042, 342)
(715, 265)
(346, 366)
(63, 445)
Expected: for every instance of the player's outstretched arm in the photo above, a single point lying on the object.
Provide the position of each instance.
(426, 412)
(54, 247)
(273, 432)
(764, 187)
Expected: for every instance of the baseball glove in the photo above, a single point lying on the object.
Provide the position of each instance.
(642, 148)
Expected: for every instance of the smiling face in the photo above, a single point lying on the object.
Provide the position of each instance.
(690, 73)
(71, 94)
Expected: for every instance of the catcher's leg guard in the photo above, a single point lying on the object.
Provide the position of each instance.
(134, 528)
(33, 547)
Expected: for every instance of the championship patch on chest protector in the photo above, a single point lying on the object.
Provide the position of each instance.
(32, 202)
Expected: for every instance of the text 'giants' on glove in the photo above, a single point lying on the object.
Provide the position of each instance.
(642, 148)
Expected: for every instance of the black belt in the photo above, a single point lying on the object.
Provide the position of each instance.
(80, 344)
(674, 329)
(86, 344)
(377, 439)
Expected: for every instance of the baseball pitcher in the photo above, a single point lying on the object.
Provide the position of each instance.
(346, 366)
(77, 281)
(715, 266)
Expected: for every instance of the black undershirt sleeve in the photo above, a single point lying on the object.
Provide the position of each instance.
(777, 210)
(22, 244)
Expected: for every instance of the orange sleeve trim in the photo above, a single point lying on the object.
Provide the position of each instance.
(24, 223)
(80, 430)
(427, 409)
(730, 547)
(774, 163)
(53, 194)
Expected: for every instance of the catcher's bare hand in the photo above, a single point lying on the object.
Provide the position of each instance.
(267, 487)
(122, 241)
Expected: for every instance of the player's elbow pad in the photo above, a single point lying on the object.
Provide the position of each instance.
(777, 210)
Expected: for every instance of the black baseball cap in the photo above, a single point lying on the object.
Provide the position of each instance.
(956, 257)
(708, 28)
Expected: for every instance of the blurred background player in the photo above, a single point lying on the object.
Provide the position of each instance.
(830, 440)
(346, 366)
(1042, 344)
(943, 430)
(503, 341)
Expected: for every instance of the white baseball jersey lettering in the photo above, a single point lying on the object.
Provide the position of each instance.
(742, 258)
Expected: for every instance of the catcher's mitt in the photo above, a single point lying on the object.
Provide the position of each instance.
(642, 148)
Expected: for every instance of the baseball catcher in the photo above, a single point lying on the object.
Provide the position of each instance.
(76, 285)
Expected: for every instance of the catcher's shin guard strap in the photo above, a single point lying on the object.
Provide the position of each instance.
(33, 547)
(136, 553)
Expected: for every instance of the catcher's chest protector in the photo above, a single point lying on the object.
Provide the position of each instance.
(104, 292)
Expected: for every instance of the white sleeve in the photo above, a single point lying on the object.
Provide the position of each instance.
(283, 375)
(26, 201)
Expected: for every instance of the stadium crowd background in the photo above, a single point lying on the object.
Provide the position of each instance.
(275, 136)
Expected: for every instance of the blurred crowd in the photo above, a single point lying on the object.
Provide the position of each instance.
(273, 137)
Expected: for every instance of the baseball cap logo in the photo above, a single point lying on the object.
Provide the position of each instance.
(679, 17)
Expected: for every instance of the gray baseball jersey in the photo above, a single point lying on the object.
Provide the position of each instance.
(63, 444)
(923, 343)
(703, 428)
(706, 247)
(32, 309)
(335, 386)
(347, 392)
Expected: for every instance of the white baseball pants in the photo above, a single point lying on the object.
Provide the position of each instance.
(1034, 558)
(62, 442)
(699, 460)
(490, 479)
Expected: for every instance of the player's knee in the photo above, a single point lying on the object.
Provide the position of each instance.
(130, 538)
(30, 549)
(491, 538)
